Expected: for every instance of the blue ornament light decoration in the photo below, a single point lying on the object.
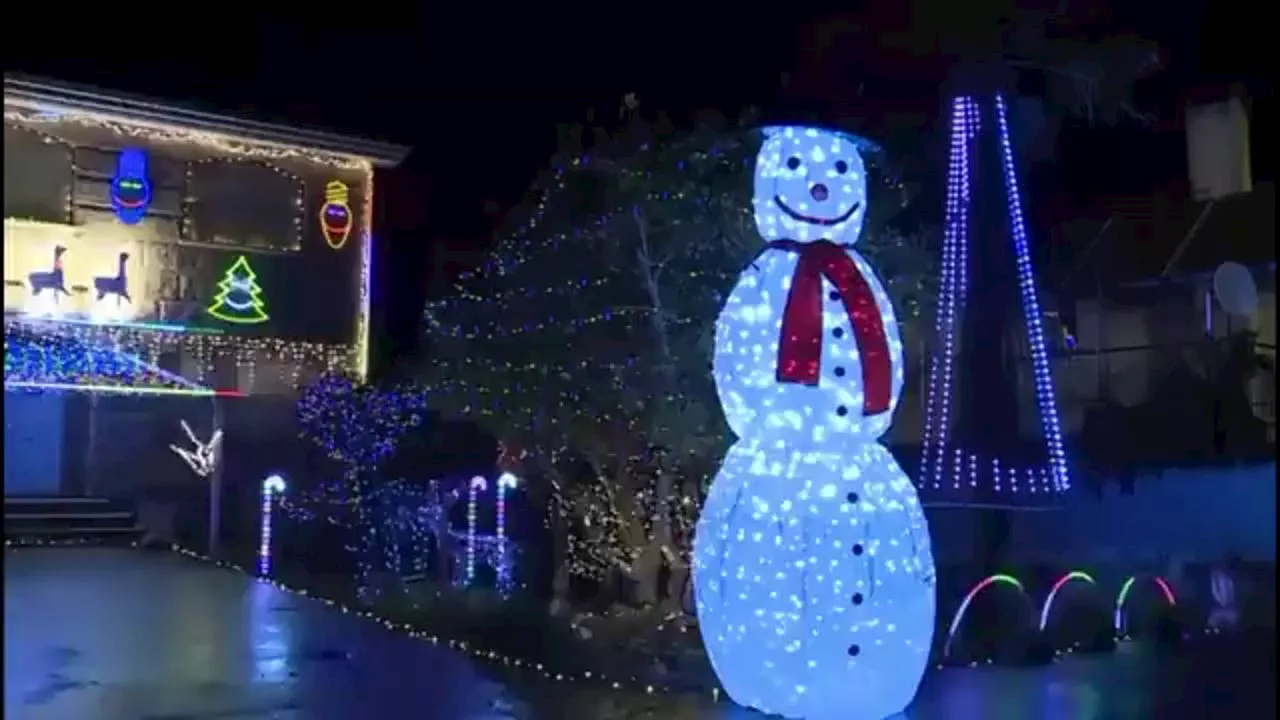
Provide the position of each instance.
(813, 573)
(130, 186)
(949, 464)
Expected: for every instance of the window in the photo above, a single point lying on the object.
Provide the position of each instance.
(246, 205)
(37, 176)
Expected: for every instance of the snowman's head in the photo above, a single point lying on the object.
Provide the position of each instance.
(810, 184)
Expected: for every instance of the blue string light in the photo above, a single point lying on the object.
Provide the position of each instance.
(946, 466)
(59, 361)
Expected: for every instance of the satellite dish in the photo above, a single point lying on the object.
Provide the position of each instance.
(1235, 290)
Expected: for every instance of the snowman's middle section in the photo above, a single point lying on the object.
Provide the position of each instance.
(749, 333)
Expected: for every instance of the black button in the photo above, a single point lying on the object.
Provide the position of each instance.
(839, 372)
(838, 332)
(857, 549)
(857, 598)
(842, 411)
(854, 651)
(851, 497)
(834, 295)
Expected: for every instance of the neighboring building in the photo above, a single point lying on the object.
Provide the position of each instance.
(1141, 298)
(231, 254)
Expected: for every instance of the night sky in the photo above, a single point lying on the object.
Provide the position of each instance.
(478, 91)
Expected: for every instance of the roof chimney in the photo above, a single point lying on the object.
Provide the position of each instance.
(1218, 145)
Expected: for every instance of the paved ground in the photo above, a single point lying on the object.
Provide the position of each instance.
(97, 634)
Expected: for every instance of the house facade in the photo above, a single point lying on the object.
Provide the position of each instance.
(231, 255)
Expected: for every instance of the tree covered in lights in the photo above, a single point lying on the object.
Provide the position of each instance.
(584, 340)
(358, 429)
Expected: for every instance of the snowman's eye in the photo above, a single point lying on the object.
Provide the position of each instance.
(842, 167)
(793, 163)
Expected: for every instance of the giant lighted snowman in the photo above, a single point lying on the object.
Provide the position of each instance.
(813, 573)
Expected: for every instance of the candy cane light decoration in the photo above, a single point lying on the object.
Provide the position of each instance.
(478, 485)
(506, 483)
(272, 487)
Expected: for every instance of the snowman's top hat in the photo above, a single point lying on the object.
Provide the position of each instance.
(834, 115)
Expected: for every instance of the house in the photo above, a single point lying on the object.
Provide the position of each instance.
(1141, 298)
(233, 253)
(158, 258)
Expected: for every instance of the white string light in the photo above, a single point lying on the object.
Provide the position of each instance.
(202, 460)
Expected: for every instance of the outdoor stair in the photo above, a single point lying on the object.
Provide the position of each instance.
(55, 520)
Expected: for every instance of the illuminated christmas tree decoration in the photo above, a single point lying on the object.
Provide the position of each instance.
(130, 187)
(813, 573)
(335, 214)
(272, 489)
(1119, 618)
(239, 299)
(203, 457)
(985, 583)
(949, 462)
(1075, 575)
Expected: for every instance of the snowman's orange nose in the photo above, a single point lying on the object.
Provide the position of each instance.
(819, 192)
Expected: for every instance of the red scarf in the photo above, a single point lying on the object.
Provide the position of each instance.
(800, 347)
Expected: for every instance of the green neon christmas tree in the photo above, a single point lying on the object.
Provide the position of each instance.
(239, 298)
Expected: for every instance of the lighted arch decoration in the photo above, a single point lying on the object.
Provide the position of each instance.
(1123, 598)
(1073, 576)
(998, 579)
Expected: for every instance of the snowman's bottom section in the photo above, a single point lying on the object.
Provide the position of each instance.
(814, 582)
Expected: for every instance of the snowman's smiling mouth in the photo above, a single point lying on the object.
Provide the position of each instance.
(777, 199)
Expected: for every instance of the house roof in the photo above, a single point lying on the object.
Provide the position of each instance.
(54, 96)
(1155, 236)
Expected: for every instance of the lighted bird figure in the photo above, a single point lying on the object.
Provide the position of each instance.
(203, 459)
(335, 215)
